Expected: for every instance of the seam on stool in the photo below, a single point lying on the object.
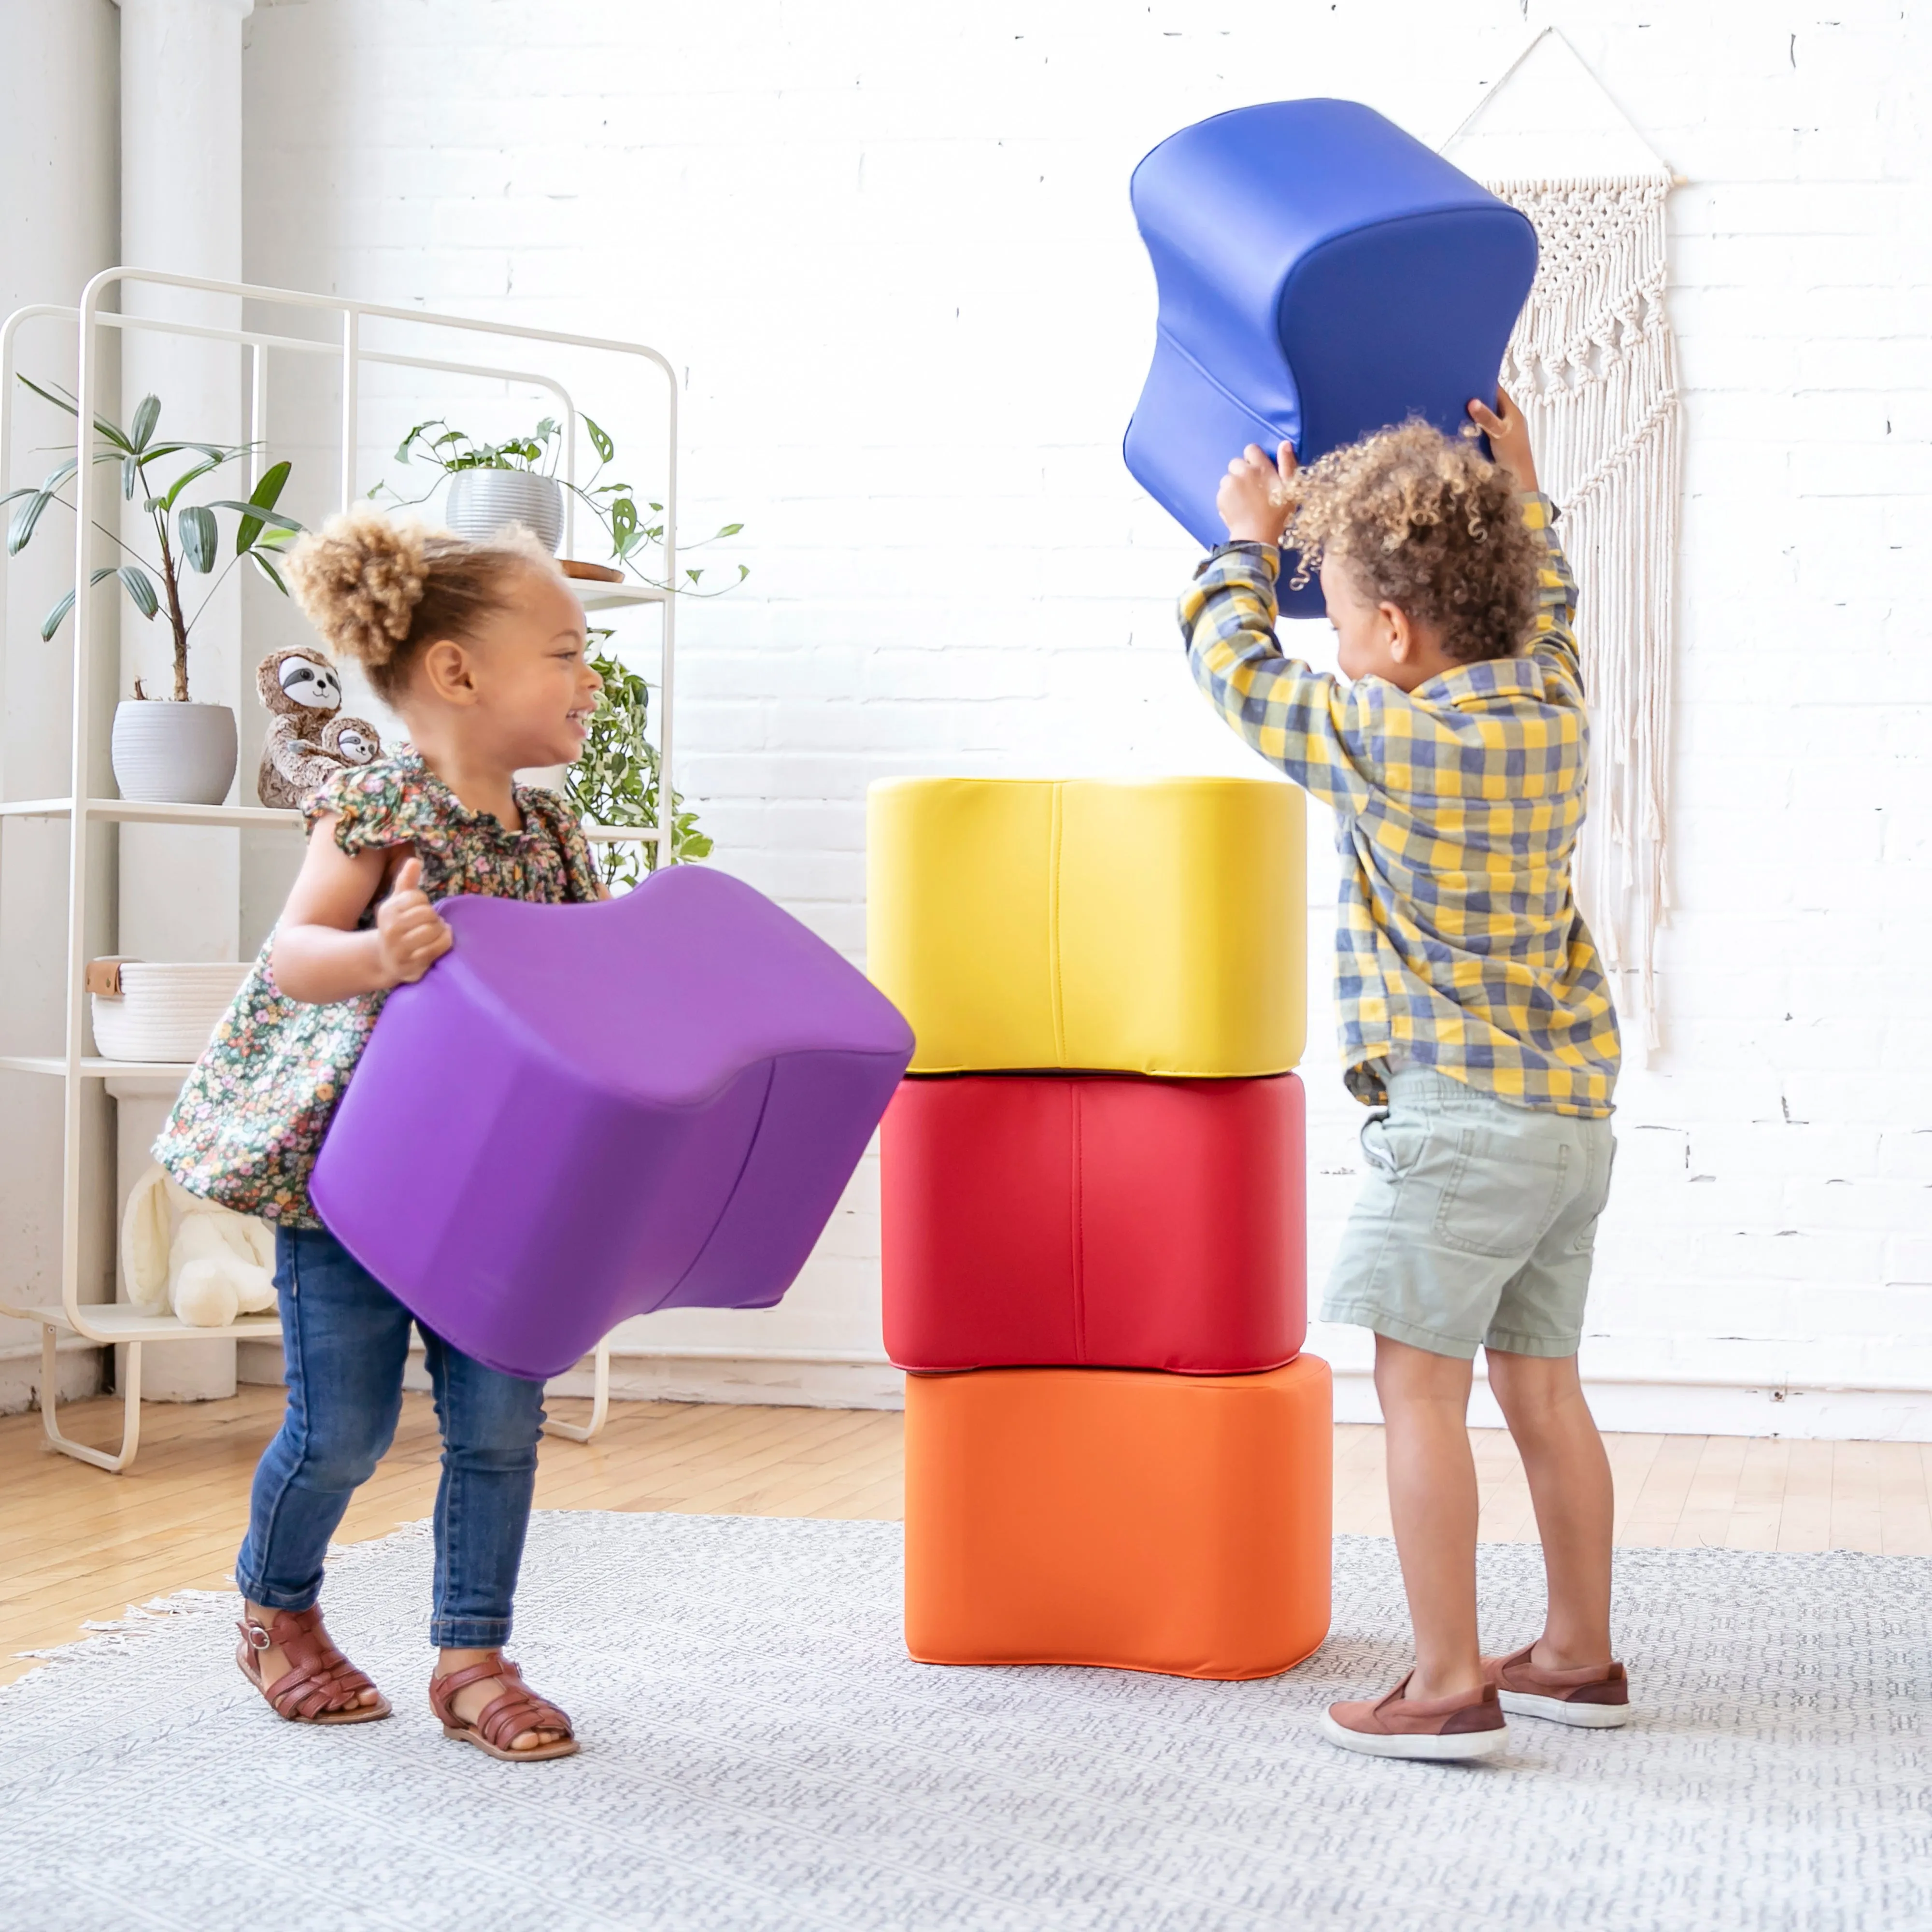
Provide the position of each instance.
(1078, 1095)
(1053, 928)
(737, 1180)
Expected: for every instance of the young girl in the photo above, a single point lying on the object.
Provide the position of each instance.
(480, 648)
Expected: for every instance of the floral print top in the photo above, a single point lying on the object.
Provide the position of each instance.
(251, 1116)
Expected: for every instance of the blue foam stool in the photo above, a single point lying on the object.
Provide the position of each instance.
(1322, 275)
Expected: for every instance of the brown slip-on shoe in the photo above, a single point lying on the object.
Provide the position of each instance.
(1443, 1729)
(1596, 1698)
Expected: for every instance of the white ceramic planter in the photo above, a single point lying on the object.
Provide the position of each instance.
(165, 1012)
(168, 754)
(481, 501)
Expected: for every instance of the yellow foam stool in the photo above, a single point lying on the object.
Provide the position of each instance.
(1143, 927)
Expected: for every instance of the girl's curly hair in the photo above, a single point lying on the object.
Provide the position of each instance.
(1424, 521)
(380, 590)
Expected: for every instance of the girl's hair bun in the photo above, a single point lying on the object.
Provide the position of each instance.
(359, 581)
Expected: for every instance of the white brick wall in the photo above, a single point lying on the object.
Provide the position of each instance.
(892, 246)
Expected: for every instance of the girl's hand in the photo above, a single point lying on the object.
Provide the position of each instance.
(1255, 499)
(1509, 438)
(411, 935)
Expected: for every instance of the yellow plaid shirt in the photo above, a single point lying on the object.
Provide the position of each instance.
(1459, 945)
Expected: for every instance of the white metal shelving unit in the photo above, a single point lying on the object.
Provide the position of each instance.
(112, 1323)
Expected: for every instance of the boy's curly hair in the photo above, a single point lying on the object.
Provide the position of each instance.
(1425, 522)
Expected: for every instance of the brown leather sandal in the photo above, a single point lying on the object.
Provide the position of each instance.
(320, 1683)
(519, 1709)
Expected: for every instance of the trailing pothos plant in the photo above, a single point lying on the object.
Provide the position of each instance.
(186, 535)
(617, 780)
(630, 528)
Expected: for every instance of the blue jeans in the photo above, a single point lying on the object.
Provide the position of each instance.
(345, 1339)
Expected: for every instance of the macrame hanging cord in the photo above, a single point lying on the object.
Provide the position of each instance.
(1593, 364)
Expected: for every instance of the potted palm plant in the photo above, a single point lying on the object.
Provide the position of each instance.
(171, 751)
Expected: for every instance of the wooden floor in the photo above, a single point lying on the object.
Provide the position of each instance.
(76, 1543)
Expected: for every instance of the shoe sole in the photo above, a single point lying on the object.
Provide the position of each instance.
(1452, 1749)
(1559, 1710)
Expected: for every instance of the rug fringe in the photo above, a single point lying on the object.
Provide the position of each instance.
(109, 1636)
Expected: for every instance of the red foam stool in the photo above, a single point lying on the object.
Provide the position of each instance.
(1174, 1523)
(1102, 1220)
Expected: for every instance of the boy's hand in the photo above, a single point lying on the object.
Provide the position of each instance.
(410, 934)
(1255, 499)
(1509, 438)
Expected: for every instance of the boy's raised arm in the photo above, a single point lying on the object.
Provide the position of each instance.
(1286, 709)
(1553, 641)
(1290, 713)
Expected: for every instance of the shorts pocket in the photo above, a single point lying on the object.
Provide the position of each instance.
(1585, 1243)
(1500, 1197)
(1393, 1148)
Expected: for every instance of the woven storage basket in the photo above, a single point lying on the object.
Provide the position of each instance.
(161, 1012)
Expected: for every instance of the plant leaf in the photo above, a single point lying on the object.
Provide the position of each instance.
(112, 431)
(130, 475)
(60, 402)
(258, 513)
(264, 493)
(147, 413)
(55, 618)
(199, 536)
(269, 570)
(140, 589)
(25, 518)
(600, 441)
(729, 530)
(187, 477)
(223, 452)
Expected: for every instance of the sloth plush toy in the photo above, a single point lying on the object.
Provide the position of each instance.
(311, 740)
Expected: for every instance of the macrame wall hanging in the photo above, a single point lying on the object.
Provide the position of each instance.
(1593, 364)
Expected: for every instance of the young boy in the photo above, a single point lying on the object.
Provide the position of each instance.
(1475, 1019)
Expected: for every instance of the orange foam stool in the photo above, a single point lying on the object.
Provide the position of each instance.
(1120, 1517)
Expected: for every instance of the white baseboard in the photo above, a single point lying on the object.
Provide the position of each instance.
(80, 1376)
(784, 1382)
(1659, 1409)
(1638, 1408)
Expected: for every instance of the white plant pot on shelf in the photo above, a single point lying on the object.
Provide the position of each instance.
(481, 502)
(150, 1010)
(169, 754)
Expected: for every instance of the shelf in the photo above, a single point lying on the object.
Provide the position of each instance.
(121, 1322)
(130, 810)
(93, 1068)
(594, 596)
(621, 834)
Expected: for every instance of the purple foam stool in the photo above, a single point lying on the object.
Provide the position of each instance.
(585, 1112)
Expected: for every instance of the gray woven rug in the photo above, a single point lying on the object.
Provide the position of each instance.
(761, 1753)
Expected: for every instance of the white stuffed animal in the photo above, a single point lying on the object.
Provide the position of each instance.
(206, 1262)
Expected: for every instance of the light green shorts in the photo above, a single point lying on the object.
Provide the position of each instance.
(1477, 1223)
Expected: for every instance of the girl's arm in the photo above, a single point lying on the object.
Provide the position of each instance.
(320, 957)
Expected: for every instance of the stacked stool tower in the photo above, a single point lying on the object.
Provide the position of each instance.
(1093, 1226)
